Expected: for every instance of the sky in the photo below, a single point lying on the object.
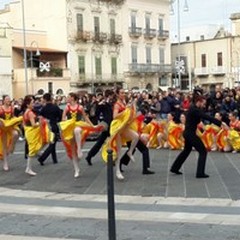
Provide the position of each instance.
(201, 12)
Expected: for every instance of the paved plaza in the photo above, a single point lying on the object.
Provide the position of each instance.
(53, 205)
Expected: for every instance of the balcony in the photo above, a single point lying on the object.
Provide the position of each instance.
(204, 71)
(99, 37)
(218, 70)
(83, 36)
(163, 35)
(115, 38)
(116, 2)
(135, 32)
(149, 33)
(103, 79)
(149, 68)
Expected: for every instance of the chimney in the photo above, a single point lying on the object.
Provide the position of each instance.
(235, 18)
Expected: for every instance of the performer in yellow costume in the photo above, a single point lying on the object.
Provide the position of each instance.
(9, 131)
(37, 132)
(122, 129)
(154, 133)
(234, 132)
(174, 131)
(75, 127)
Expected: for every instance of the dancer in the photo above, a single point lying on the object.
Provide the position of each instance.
(194, 116)
(121, 130)
(37, 132)
(53, 113)
(9, 130)
(104, 109)
(74, 130)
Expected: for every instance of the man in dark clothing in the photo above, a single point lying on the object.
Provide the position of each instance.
(104, 109)
(145, 157)
(194, 116)
(53, 113)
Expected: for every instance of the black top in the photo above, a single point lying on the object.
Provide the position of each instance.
(195, 116)
(105, 110)
(53, 113)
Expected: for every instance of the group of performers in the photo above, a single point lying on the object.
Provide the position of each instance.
(122, 123)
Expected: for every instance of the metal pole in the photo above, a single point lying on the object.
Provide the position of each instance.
(24, 49)
(111, 204)
(179, 39)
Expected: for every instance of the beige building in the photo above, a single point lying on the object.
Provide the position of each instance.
(46, 68)
(124, 42)
(88, 45)
(5, 60)
(209, 61)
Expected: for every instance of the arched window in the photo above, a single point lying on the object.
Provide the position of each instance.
(59, 92)
(40, 92)
(149, 87)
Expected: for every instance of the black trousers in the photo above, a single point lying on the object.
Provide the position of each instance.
(50, 150)
(145, 155)
(192, 140)
(97, 146)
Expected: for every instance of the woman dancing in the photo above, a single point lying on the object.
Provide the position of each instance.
(37, 132)
(9, 131)
(122, 130)
(75, 127)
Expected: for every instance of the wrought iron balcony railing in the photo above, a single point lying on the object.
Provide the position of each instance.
(135, 31)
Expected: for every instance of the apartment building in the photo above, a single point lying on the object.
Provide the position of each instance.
(5, 60)
(209, 62)
(43, 38)
(88, 45)
(146, 52)
(119, 42)
(95, 44)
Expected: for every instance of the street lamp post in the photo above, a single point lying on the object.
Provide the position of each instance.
(24, 49)
(179, 63)
(31, 57)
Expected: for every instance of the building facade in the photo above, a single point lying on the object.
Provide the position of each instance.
(209, 61)
(5, 60)
(40, 33)
(124, 42)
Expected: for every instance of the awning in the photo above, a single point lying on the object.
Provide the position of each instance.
(32, 49)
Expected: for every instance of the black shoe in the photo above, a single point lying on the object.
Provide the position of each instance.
(146, 172)
(41, 162)
(202, 176)
(89, 161)
(55, 162)
(176, 172)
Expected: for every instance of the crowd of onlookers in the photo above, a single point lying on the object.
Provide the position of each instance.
(223, 100)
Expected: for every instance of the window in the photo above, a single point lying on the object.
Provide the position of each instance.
(79, 22)
(203, 60)
(160, 24)
(134, 54)
(161, 56)
(219, 59)
(59, 91)
(163, 81)
(98, 65)
(114, 65)
(112, 26)
(81, 64)
(96, 25)
(50, 87)
(148, 54)
(147, 22)
(133, 20)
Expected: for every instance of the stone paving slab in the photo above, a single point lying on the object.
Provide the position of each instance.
(223, 168)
